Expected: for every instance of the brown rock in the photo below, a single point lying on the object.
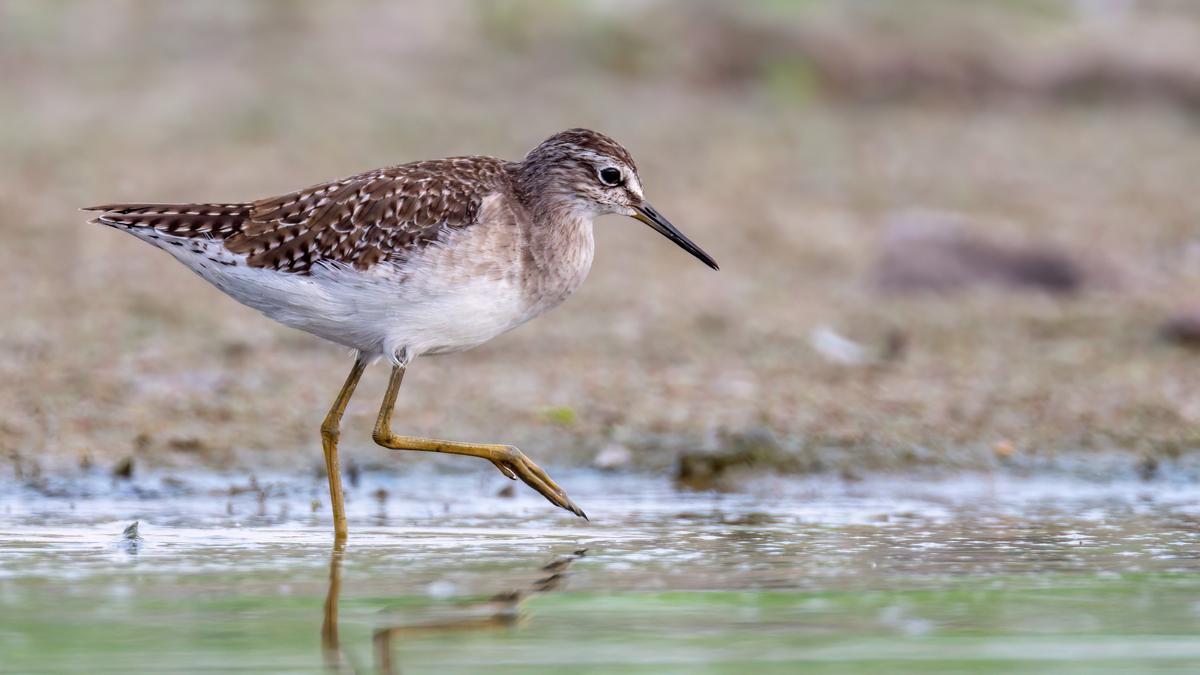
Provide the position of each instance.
(1183, 327)
(938, 252)
(123, 468)
(750, 452)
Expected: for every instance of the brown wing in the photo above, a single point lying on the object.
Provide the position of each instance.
(359, 221)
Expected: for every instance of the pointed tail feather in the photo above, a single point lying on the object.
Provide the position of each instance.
(181, 220)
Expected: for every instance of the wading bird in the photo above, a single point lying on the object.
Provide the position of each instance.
(424, 258)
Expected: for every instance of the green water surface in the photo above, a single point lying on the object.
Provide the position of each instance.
(969, 575)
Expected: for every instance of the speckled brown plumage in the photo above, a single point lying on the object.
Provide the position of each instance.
(357, 221)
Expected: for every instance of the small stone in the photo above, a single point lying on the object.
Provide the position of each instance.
(442, 589)
(1183, 328)
(130, 541)
(124, 469)
(837, 348)
(187, 445)
(612, 456)
(1147, 468)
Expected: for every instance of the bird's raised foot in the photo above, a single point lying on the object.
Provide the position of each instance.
(513, 463)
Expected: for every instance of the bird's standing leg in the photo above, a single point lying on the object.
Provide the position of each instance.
(330, 432)
(511, 461)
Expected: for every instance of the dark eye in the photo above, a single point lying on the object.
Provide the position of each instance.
(610, 176)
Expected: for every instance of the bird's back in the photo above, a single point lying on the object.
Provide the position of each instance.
(358, 221)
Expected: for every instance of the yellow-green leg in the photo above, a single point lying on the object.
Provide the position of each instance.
(511, 461)
(330, 432)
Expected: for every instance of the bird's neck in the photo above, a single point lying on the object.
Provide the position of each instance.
(558, 255)
(557, 234)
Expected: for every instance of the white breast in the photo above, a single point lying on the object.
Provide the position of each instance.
(452, 319)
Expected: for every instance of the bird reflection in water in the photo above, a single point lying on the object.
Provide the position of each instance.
(501, 611)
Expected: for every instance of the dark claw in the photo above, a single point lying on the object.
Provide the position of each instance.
(576, 510)
(568, 505)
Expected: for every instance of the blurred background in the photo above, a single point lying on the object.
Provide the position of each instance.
(951, 234)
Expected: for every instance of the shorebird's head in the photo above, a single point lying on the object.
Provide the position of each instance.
(590, 173)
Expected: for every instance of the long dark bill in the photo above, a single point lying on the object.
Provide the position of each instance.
(648, 215)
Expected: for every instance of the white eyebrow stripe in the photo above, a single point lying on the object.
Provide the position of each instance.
(634, 185)
(597, 158)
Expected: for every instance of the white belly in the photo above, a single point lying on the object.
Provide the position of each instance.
(383, 312)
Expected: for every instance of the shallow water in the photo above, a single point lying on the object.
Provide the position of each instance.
(441, 575)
